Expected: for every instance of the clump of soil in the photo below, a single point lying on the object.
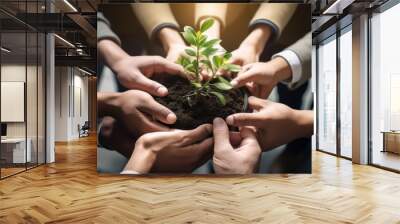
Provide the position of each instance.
(203, 109)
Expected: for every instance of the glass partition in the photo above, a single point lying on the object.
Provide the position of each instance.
(22, 77)
(15, 151)
(346, 92)
(327, 95)
(385, 89)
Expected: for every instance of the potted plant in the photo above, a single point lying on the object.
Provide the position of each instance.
(196, 100)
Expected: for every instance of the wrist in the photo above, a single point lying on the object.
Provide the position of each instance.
(111, 52)
(169, 37)
(281, 68)
(257, 38)
(304, 120)
(142, 158)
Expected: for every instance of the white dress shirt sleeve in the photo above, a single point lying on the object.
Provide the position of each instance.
(295, 65)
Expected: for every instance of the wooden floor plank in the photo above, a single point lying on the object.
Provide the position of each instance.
(71, 191)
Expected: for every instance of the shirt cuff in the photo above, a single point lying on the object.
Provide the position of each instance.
(294, 62)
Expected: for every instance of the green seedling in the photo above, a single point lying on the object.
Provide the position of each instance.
(206, 54)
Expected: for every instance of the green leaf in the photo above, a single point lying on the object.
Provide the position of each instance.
(189, 29)
(189, 35)
(223, 80)
(222, 86)
(220, 97)
(217, 60)
(184, 61)
(196, 84)
(202, 39)
(211, 43)
(209, 51)
(232, 67)
(190, 52)
(207, 62)
(206, 25)
(190, 68)
(227, 55)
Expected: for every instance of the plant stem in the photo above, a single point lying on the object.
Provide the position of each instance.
(198, 64)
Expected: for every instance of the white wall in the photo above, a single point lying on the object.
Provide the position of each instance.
(70, 83)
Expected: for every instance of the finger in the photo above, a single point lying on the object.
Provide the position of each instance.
(244, 119)
(150, 86)
(249, 137)
(221, 135)
(158, 111)
(235, 138)
(162, 65)
(192, 136)
(248, 76)
(256, 103)
(148, 125)
(202, 151)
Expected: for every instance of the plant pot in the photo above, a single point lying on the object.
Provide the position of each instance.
(203, 109)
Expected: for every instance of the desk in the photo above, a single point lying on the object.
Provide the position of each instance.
(391, 141)
(13, 150)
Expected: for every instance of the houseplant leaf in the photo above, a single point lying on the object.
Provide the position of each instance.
(209, 51)
(189, 35)
(232, 67)
(217, 60)
(206, 25)
(196, 84)
(211, 43)
(223, 80)
(207, 62)
(222, 86)
(220, 97)
(227, 55)
(190, 52)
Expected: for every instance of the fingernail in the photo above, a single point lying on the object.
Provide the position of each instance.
(229, 120)
(218, 121)
(171, 118)
(234, 83)
(162, 91)
(209, 128)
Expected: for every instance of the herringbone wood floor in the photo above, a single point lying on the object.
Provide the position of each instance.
(70, 191)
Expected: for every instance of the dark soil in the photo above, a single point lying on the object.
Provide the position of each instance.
(203, 109)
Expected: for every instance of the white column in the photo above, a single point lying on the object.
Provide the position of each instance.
(360, 90)
(50, 93)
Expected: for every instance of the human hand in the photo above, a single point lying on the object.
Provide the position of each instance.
(251, 48)
(241, 157)
(262, 77)
(173, 44)
(137, 110)
(172, 151)
(244, 55)
(276, 123)
(134, 72)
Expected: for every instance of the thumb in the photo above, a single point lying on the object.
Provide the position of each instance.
(159, 111)
(248, 136)
(150, 86)
(221, 135)
(244, 119)
(246, 77)
(162, 65)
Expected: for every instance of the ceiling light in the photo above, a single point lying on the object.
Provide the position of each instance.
(84, 71)
(65, 41)
(337, 7)
(70, 5)
(5, 50)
